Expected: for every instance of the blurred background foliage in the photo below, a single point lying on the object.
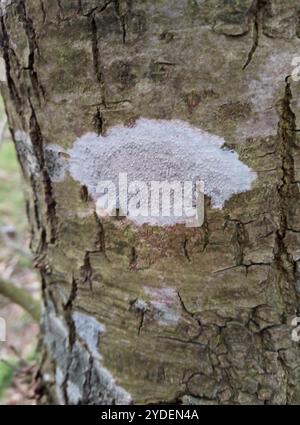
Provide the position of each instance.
(18, 353)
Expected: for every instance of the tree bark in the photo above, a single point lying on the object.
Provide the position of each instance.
(160, 314)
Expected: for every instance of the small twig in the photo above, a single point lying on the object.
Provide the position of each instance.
(20, 297)
(14, 246)
(10, 365)
(18, 355)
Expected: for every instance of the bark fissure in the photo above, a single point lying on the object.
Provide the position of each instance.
(43, 10)
(98, 122)
(33, 50)
(287, 191)
(97, 58)
(96, 9)
(5, 47)
(100, 235)
(185, 250)
(68, 311)
(133, 259)
(122, 10)
(258, 11)
(38, 146)
(87, 271)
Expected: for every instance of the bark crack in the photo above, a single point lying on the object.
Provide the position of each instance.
(185, 250)
(98, 122)
(100, 239)
(98, 9)
(287, 192)
(87, 271)
(258, 11)
(37, 143)
(33, 50)
(96, 58)
(13, 91)
(122, 10)
(68, 310)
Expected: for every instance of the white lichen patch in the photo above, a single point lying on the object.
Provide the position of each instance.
(152, 151)
(74, 393)
(89, 329)
(164, 304)
(56, 160)
(59, 380)
(81, 362)
(3, 6)
(26, 153)
(160, 150)
(265, 89)
(2, 71)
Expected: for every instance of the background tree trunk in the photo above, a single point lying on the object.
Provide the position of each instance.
(148, 314)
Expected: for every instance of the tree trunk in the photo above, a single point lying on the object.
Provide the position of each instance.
(160, 312)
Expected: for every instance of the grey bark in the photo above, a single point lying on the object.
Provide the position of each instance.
(146, 314)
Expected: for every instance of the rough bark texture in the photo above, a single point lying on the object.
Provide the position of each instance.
(151, 314)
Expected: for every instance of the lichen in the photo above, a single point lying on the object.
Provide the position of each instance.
(164, 305)
(3, 5)
(2, 70)
(26, 152)
(156, 150)
(80, 375)
(56, 162)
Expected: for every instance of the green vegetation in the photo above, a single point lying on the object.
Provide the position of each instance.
(7, 370)
(12, 210)
(6, 375)
(12, 213)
